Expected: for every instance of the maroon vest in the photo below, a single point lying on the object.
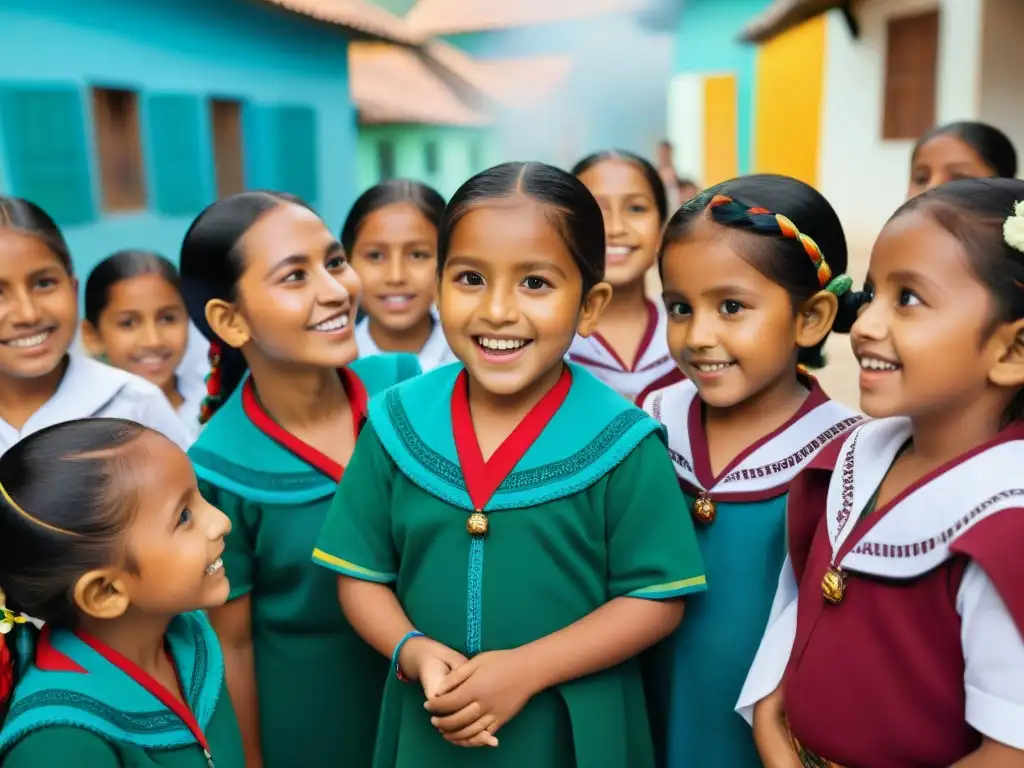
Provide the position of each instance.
(878, 680)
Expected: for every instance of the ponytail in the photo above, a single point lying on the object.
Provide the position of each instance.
(227, 369)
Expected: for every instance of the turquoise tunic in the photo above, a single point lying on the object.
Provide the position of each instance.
(695, 676)
(587, 515)
(319, 685)
(74, 708)
(700, 669)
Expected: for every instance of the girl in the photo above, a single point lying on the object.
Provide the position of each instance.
(627, 350)
(103, 534)
(960, 151)
(753, 282)
(40, 382)
(587, 558)
(270, 287)
(914, 523)
(135, 319)
(391, 237)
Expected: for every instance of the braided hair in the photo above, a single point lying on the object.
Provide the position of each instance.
(797, 241)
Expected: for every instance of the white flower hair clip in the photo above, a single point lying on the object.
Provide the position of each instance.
(7, 617)
(1013, 228)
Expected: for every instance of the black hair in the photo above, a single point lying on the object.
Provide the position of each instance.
(123, 265)
(427, 201)
(781, 259)
(29, 218)
(66, 499)
(649, 172)
(64, 505)
(974, 211)
(212, 262)
(572, 210)
(992, 145)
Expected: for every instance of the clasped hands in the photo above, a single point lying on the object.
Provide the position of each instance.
(469, 700)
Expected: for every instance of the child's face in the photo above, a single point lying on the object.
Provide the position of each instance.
(298, 296)
(175, 537)
(143, 329)
(942, 159)
(38, 307)
(631, 226)
(396, 258)
(510, 295)
(730, 329)
(922, 341)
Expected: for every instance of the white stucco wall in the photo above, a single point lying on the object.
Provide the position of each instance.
(864, 176)
(1002, 80)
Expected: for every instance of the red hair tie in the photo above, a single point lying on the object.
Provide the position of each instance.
(213, 386)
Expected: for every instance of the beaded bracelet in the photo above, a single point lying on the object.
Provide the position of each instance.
(398, 649)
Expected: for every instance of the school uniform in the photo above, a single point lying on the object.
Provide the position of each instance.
(82, 703)
(319, 685)
(652, 368)
(90, 388)
(434, 354)
(193, 393)
(922, 654)
(576, 508)
(700, 670)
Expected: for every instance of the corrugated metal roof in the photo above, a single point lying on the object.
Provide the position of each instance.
(394, 84)
(357, 15)
(447, 17)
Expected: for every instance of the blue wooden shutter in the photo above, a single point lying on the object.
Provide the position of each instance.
(182, 176)
(298, 153)
(43, 129)
(259, 126)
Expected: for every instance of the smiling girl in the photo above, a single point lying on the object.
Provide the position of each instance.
(905, 540)
(505, 533)
(627, 350)
(41, 383)
(104, 535)
(753, 283)
(271, 288)
(135, 319)
(390, 236)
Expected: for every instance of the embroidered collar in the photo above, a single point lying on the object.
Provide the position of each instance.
(912, 533)
(765, 469)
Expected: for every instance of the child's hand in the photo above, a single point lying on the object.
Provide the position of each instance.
(771, 733)
(479, 697)
(429, 662)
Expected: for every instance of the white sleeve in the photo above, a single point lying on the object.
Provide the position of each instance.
(994, 660)
(156, 412)
(773, 654)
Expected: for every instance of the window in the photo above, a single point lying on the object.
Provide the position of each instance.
(912, 52)
(385, 159)
(228, 153)
(116, 125)
(430, 159)
(43, 132)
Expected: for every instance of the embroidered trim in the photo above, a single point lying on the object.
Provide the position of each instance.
(258, 479)
(847, 479)
(897, 551)
(523, 480)
(351, 569)
(141, 722)
(474, 596)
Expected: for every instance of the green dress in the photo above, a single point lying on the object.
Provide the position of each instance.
(319, 685)
(74, 707)
(590, 513)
